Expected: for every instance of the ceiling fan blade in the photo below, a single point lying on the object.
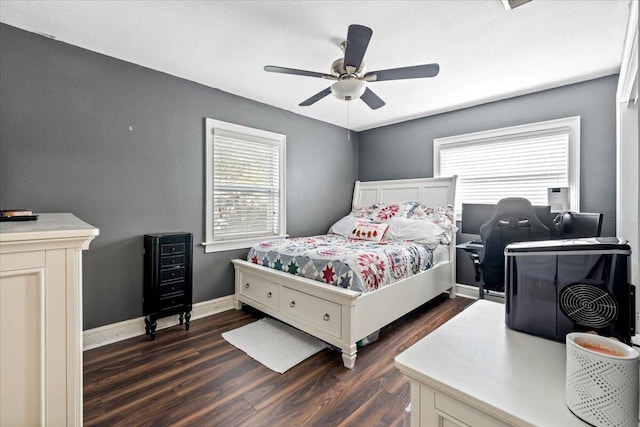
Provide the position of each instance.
(315, 98)
(415, 72)
(372, 100)
(357, 41)
(284, 70)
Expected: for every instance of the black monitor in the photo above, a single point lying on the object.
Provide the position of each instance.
(574, 225)
(476, 214)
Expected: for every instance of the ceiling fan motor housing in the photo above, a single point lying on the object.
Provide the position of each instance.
(554, 287)
(338, 69)
(349, 86)
(348, 89)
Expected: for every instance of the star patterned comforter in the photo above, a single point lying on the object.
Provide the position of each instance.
(359, 265)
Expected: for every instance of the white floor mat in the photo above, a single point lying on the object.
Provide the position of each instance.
(277, 346)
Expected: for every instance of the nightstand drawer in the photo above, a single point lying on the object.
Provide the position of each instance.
(171, 288)
(172, 301)
(167, 261)
(172, 274)
(171, 248)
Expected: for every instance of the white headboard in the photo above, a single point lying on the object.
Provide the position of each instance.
(429, 191)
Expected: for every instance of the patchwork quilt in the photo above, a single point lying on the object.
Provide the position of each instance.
(359, 265)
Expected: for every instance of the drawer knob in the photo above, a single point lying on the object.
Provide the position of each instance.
(326, 317)
(269, 295)
(246, 286)
(292, 304)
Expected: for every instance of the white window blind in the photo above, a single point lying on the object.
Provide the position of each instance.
(522, 161)
(246, 191)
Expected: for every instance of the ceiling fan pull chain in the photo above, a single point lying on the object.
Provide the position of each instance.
(348, 123)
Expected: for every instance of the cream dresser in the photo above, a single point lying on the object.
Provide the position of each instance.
(474, 371)
(41, 320)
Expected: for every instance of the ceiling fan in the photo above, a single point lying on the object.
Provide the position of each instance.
(349, 72)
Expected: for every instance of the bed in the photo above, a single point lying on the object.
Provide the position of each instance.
(343, 317)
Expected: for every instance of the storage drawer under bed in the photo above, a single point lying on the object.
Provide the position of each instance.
(261, 290)
(321, 313)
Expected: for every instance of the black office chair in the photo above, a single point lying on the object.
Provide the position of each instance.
(513, 220)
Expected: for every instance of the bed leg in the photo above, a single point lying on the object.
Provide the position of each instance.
(349, 357)
(452, 292)
(237, 304)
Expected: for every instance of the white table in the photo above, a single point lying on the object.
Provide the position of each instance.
(474, 371)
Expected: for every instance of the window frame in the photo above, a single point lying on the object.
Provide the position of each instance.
(570, 125)
(211, 125)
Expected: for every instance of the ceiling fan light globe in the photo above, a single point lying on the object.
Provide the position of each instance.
(348, 89)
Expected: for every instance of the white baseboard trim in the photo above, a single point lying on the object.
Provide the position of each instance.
(472, 292)
(108, 334)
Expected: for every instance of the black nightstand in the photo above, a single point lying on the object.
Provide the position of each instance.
(167, 278)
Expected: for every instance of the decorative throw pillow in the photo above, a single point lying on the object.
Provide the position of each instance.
(364, 211)
(365, 230)
(442, 215)
(385, 212)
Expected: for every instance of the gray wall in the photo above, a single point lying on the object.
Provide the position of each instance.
(66, 146)
(405, 150)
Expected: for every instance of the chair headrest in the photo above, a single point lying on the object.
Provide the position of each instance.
(513, 213)
(514, 222)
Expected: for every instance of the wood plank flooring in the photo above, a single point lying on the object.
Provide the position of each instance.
(196, 378)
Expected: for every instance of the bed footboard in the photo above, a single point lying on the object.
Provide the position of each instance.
(323, 311)
(337, 316)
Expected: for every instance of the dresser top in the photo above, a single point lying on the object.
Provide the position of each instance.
(47, 226)
(478, 360)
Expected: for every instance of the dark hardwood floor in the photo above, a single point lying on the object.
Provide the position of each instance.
(196, 378)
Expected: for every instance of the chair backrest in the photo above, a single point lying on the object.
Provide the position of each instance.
(513, 220)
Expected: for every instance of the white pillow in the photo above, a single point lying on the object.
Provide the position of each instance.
(420, 231)
(344, 225)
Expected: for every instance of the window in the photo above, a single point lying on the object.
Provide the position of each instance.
(245, 185)
(519, 161)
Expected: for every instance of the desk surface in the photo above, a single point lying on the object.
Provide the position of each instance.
(472, 246)
(476, 359)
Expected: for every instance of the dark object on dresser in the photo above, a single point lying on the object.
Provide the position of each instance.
(555, 287)
(167, 278)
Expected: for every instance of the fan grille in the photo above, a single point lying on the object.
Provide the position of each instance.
(588, 305)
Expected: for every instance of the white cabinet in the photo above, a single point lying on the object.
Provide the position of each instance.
(41, 320)
(436, 409)
(474, 371)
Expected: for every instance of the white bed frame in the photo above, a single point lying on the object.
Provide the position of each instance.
(343, 317)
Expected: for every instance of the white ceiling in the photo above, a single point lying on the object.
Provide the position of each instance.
(485, 52)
